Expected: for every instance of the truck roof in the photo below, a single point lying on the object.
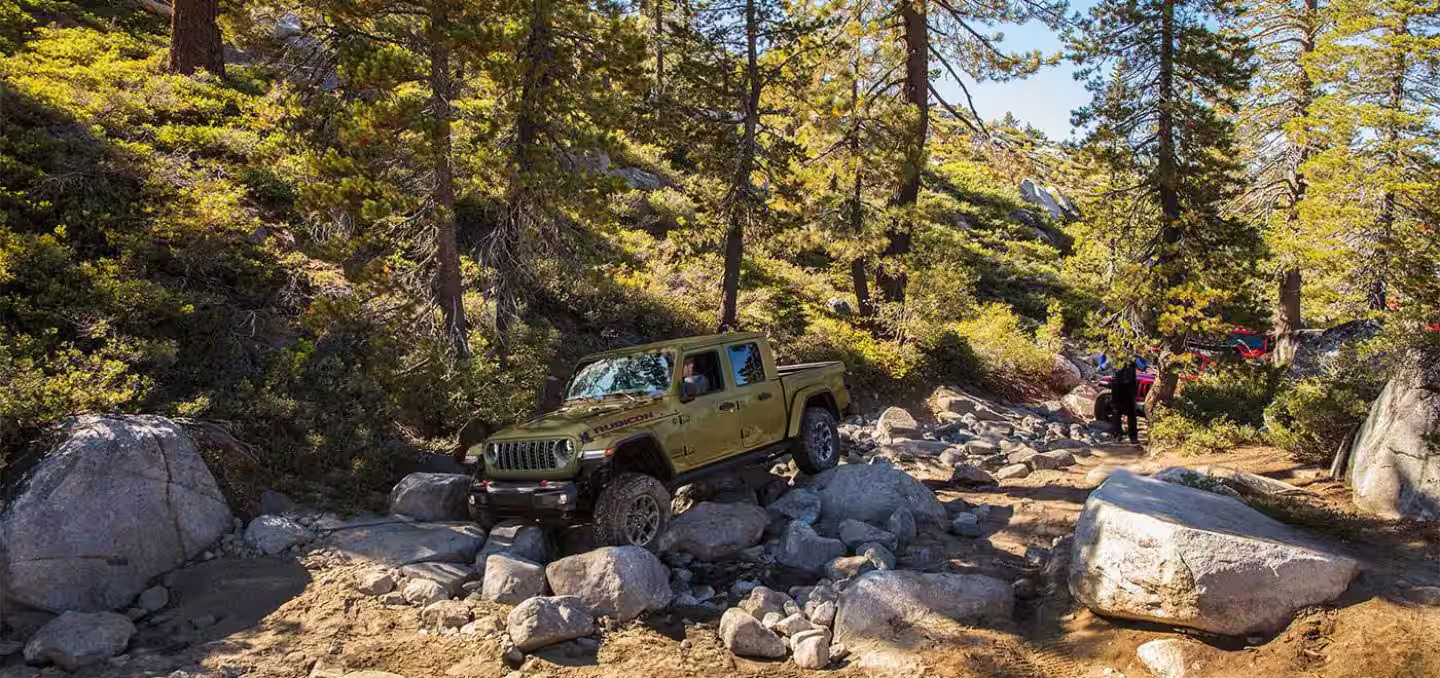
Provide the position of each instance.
(683, 343)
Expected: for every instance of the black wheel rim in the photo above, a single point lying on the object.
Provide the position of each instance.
(822, 441)
(642, 521)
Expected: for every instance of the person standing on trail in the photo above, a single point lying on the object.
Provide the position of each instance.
(1123, 388)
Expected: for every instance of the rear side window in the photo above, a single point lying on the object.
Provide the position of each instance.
(746, 365)
(703, 370)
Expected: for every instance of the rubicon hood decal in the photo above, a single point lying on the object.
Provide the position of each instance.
(624, 421)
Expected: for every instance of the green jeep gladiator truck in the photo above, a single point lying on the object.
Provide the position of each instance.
(638, 422)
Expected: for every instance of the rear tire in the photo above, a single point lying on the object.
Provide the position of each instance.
(633, 510)
(817, 447)
(1105, 406)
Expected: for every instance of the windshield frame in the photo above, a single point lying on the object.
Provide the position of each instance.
(668, 354)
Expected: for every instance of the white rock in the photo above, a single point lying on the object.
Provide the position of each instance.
(450, 576)
(120, 500)
(75, 640)
(423, 592)
(509, 580)
(401, 542)
(744, 636)
(872, 492)
(538, 622)
(896, 421)
(621, 582)
(375, 583)
(794, 624)
(821, 612)
(1156, 551)
(271, 535)
(515, 537)
(1170, 658)
(879, 602)
(1395, 462)
(812, 651)
(446, 614)
(763, 600)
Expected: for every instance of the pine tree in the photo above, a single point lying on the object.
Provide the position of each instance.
(1162, 80)
(1275, 124)
(195, 37)
(1382, 170)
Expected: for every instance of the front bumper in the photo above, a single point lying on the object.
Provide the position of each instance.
(526, 499)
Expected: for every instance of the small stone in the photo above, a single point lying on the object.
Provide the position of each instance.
(902, 524)
(1012, 471)
(446, 614)
(771, 620)
(966, 525)
(821, 613)
(75, 640)
(203, 621)
(793, 624)
(375, 583)
(839, 651)
(745, 636)
(393, 599)
(153, 598)
(423, 592)
(812, 651)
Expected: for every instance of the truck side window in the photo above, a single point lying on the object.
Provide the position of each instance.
(746, 364)
(703, 369)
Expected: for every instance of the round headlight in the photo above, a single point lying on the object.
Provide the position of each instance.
(564, 452)
(491, 452)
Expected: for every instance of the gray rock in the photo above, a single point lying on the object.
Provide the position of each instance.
(979, 446)
(75, 640)
(901, 523)
(966, 475)
(450, 576)
(275, 503)
(803, 549)
(271, 535)
(854, 533)
(509, 580)
(746, 637)
(621, 582)
(1080, 401)
(1057, 459)
(153, 599)
(1395, 461)
(821, 612)
(120, 500)
(793, 624)
(402, 542)
(879, 602)
(432, 497)
(521, 539)
(896, 421)
(1156, 551)
(538, 622)
(712, 531)
(966, 525)
(9, 647)
(446, 614)
(1012, 471)
(872, 492)
(947, 399)
(882, 557)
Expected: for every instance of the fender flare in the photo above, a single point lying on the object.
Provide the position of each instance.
(647, 436)
(797, 406)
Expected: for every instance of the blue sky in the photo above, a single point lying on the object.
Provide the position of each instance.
(1044, 100)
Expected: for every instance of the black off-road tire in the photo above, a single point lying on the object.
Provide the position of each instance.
(817, 447)
(1105, 406)
(632, 510)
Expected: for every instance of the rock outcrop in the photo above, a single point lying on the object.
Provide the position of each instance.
(1395, 462)
(432, 496)
(870, 493)
(118, 501)
(75, 640)
(713, 531)
(879, 602)
(1155, 551)
(393, 541)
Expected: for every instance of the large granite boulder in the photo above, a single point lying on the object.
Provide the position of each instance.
(714, 531)
(871, 492)
(432, 496)
(75, 640)
(1080, 401)
(1161, 552)
(1395, 462)
(119, 500)
(881, 601)
(396, 541)
(538, 622)
(621, 582)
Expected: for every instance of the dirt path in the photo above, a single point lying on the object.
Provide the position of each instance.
(284, 621)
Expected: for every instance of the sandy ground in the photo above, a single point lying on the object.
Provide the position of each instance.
(276, 618)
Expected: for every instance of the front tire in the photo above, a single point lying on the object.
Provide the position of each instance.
(633, 510)
(818, 446)
(1105, 406)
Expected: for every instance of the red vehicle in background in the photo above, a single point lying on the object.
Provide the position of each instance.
(1246, 344)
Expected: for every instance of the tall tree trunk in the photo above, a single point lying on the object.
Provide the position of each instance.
(742, 192)
(917, 94)
(1168, 185)
(659, 38)
(449, 291)
(195, 37)
(1291, 281)
(1382, 259)
(858, 274)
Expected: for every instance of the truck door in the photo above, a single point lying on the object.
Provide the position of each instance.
(758, 394)
(711, 415)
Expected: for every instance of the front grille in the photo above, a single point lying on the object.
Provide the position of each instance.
(529, 455)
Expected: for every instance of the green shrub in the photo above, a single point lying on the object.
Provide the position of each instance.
(1311, 418)
(1011, 362)
(1235, 392)
(1171, 431)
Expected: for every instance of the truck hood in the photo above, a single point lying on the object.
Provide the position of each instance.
(579, 421)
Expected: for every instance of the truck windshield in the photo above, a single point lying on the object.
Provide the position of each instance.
(641, 374)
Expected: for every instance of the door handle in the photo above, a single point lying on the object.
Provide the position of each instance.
(727, 406)
(764, 396)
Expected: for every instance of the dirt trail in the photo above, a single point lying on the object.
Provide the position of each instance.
(282, 621)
